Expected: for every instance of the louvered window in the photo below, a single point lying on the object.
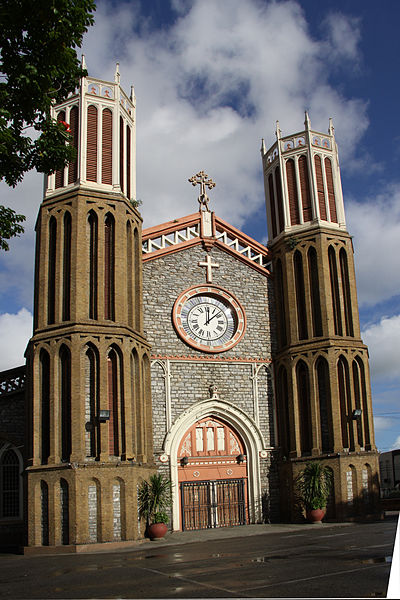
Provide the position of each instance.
(91, 154)
(305, 189)
(74, 126)
(292, 190)
(331, 190)
(128, 161)
(278, 185)
(106, 165)
(109, 274)
(320, 188)
(272, 204)
(337, 317)
(121, 154)
(60, 172)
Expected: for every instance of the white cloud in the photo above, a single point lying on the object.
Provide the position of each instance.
(382, 423)
(375, 224)
(343, 37)
(383, 341)
(15, 331)
(396, 443)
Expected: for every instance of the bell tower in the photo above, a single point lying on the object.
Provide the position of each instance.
(321, 364)
(90, 419)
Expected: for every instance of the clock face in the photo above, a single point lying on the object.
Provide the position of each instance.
(209, 318)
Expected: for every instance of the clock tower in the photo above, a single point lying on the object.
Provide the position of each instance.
(89, 398)
(321, 364)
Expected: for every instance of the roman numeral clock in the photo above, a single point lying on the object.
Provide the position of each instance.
(208, 317)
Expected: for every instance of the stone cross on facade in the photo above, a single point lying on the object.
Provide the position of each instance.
(201, 179)
(209, 266)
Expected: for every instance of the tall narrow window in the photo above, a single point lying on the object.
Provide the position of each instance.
(92, 429)
(109, 273)
(129, 271)
(74, 126)
(364, 403)
(300, 296)
(278, 186)
(116, 431)
(128, 161)
(331, 190)
(10, 483)
(358, 401)
(345, 404)
(64, 507)
(280, 300)
(320, 188)
(66, 311)
(137, 402)
(303, 395)
(325, 411)
(314, 288)
(292, 190)
(283, 411)
(121, 154)
(91, 154)
(337, 317)
(65, 391)
(272, 204)
(45, 405)
(106, 143)
(60, 172)
(137, 265)
(305, 189)
(93, 263)
(344, 271)
(51, 292)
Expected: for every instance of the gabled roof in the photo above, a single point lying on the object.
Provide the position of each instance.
(193, 230)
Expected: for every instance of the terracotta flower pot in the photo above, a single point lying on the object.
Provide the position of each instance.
(157, 530)
(315, 515)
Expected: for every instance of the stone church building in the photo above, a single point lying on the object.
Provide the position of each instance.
(188, 348)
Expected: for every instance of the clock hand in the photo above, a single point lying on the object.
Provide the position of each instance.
(213, 317)
(208, 315)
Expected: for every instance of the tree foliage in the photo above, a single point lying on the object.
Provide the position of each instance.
(38, 66)
(9, 225)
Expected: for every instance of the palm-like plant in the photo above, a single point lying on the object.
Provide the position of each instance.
(154, 497)
(314, 484)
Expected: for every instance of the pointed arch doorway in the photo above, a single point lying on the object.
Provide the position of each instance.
(212, 476)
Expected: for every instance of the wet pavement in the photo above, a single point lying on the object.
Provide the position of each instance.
(257, 561)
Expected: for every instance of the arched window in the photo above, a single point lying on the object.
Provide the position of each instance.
(344, 271)
(128, 161)
(283, 411)
(121, 154)
(44, 360)
(91, 153)
(64, 507)
(292, 190)
(300, 296)
(345, 404)
(74, 126)
(314, 289)
(331, 190)
(137, 286)
(93, 263)
(106, 143)
(280, 301)
(109, 268)
(51, 292)
(272, 204)
(325, 410)
(60, 172)
(66, 312)
(278, 186)
(137, 402)
(305, 189)
(337, 317)
(130, 260)
(364, 403)
(92, 402)
(303, 395)
(65, 403)
(320, 188)
(116, 424)
(10, 482)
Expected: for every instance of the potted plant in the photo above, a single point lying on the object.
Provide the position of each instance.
(153, 498)
(314, 485)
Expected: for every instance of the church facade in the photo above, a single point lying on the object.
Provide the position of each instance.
(188, 348)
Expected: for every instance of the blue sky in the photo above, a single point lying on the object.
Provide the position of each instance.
(211, 78)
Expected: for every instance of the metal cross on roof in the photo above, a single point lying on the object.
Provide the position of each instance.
(201, 179)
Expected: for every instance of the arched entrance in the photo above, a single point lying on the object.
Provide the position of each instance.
(212, 476)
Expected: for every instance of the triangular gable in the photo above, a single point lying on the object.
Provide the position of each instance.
(193, 230)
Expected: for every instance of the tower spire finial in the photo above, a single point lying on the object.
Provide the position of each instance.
(278, 131)
(117, 76)
(307, 122)
(83, 62)
(201, 179)
(331, 129)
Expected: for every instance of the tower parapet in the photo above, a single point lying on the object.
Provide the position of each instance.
(302, 181)
(101, 119)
